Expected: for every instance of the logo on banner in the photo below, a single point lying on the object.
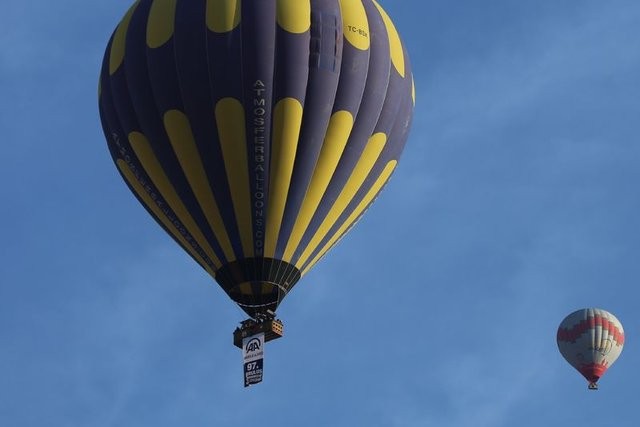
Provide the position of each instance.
(252, 347)
(252, 353)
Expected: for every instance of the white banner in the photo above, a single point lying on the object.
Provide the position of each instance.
(252, 354)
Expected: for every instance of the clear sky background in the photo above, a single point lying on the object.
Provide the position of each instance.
(515, 203)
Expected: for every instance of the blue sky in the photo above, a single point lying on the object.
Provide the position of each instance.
(515, 203)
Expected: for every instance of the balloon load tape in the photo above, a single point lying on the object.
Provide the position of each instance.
(264, 323)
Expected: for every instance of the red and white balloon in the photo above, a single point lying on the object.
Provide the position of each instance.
(591, 339)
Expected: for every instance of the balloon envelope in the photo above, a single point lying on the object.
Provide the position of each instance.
(591, 339)
(256, 133)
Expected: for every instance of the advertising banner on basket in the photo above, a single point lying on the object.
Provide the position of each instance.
(253, 353)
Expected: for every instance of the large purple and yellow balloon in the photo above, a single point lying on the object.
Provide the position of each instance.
(256, 133)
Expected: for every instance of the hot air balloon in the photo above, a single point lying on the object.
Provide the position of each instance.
(591, 339)
(256, 133)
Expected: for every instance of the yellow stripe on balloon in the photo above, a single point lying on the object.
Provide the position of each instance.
(153, 168)
(266, 288)
(355, 24)
(116, 55)
(359, 210)
(153, 207)
(245, 288)
(160, 25)
(223, 15)
(294, 16)
(181, 137)
(287, 119)
(230, 121)
(413, 91)
(362, 169)
(395, 45)
(335, 140)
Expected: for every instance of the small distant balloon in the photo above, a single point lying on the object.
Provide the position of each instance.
(591, 339)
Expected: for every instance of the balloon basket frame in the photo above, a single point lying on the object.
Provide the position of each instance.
(273, 328)
(593, 386)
